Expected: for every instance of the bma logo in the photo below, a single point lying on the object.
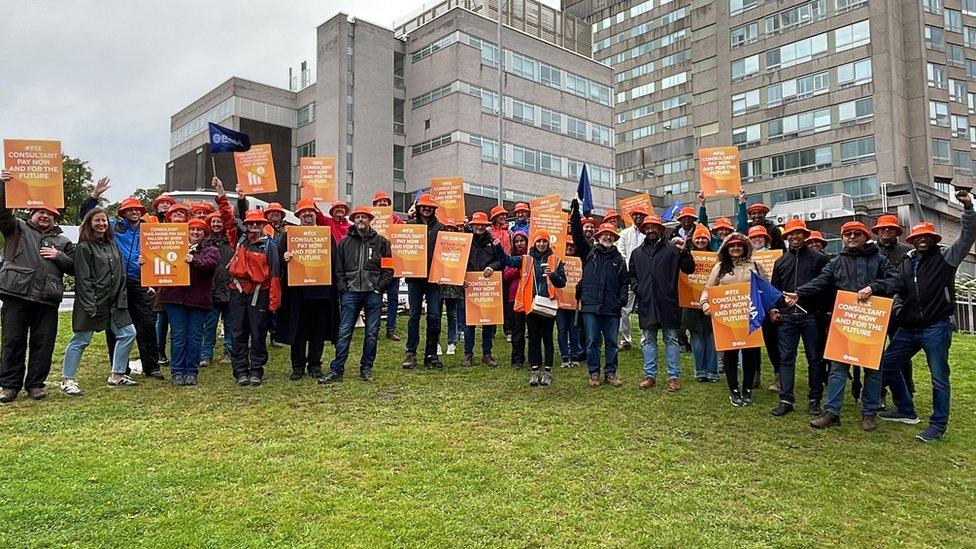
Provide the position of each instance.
(225, 140)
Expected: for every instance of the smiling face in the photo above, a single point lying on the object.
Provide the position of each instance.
(737, 250)
(701, 242)
(196, 234)
(254, 229)
(426, 212)
(274, 218)
(887, 235)
(541, 245)
(175, 217)
(638, 218)
(854, 240)
(99, 224)
(132, 215)
(216, 224)
(816, 245)
(796, 239)
(361, 221)
(589, 231)
(652, 231)
(520, 245)
(758, 241)
(923, 243)
(43, 219)
(757, 216)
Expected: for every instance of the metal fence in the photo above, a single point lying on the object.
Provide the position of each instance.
(966, 311)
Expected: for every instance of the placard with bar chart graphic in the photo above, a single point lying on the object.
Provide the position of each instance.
(164, 247)
(255, 170)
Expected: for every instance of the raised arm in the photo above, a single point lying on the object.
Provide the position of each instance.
(967, 237)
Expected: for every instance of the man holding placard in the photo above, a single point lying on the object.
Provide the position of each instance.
(924, 309)
(485, 257)
(420, 290)
(861, 269)
(383, 200)
(364, 266)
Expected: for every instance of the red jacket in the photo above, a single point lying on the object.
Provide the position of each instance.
(510, 280)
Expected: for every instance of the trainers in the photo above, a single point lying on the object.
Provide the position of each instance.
(410, 362)
(488, 361)
(900, 417)
(735, 398)
(37, 393)
(594, 380)
(674, 385)
(295, 376)
(624, 346)
(546, 379)
(573, 362)
(508, 338)
(366, 374)
(225, 359)
(782, 409)
(614, 381)
(439, 351)
(124, 381)
(451, 349)
(774, 387)
(70, 387)
(869, 423)
(747, 399)
(534, 378)
(392, 336)
(243, 381)
(255, 380)
(204, 362)
(178, 379)
(163, 361)
(826, 419)
(467, 361)
(8, 395)
(814, 409)
(564, 363)
(930, 434)
(330, 377)
(648, 383)
(190, 379)
(701, 379)
(155, 374)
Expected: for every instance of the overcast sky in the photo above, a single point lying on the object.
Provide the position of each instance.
(104, 76)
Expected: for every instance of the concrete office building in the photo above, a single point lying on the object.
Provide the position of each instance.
(398, 107)
(829, 100)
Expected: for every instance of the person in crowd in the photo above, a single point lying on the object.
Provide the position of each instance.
(924, 310)
(799, 265)
(687, 222)
(511, 275)
(630, 239)
(817, 242)
(177, 213)
(770, 327)
(383, 200)
(486, 256)
(200, 210)
(420, 290)
(337, 220)
(888, 230)
(139, 299)
(699, 325)
(499, 228)
(611, 216)
(219, 238)
(653, 269)
(363, 268)
(589, 230)
(275, 214)
(759, 237)
(859, 268)
(542, 273)
(521, 212)
(452, 296)
(100, 302)
(722, 227)
(255, 293)
(757, 217)
(187, 306)
(161, 205)
(567, 326)
(735, 265)
(308, 315)
(602, 291)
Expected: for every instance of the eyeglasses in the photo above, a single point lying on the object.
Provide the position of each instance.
(852, 234)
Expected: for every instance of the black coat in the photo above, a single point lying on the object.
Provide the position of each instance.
(853, 270)
(654, 271)
(895, 253)
(293, 298)
(484, 253)
(433, 227)
(797, 267)
(359, 263)
(603, 289)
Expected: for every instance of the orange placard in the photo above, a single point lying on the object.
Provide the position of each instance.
(690, 287)
(450, 258)
(382, 219)
(449, 194)
(730, 305)
(38, 179)
(719, 171)
(767, 258)
(408, 243)
(551, 203)
(316, 176)
(631, 202)
(164, 247)
(311, 255)
(566, 296)
(555, 222)
(857, 330)
(255, 170)
(483, 299)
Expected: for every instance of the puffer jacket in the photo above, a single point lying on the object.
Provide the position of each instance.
(853, 270)
(603, 289)
(741, 270)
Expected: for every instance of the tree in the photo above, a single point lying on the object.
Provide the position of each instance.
(146, 196)
(77, 186)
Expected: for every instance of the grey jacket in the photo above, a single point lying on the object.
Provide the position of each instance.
(25, 274)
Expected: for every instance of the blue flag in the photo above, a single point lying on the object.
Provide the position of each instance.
(672, 211)
(763, 296)
(227, 140)
(583, 192)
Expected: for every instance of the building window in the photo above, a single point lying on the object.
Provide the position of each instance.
(861, 186)
(953, 20)
(306, 114)
(939, 113)
(959, 125)
(746, 136)
(600, 134)
(857, 111)
(745, 102)
(957, 91)
(550, 165)
(857, 150)
(971, 102)
(575, 127)
(551, 76)
(969, 36)
(308, 149)
(746, 34)
(932, 6)
(738, 6)
(852, 36)
(524, 66)
(937, 76)
(795, 17)
(955, 55)
(437, 45)
(796, 52)
(962, 162)
(856, 73)
(524, 158)
(431, 96)
(750, 170)
(801, 161)
(551, 121)
(794, 125)
(741, 68)
(934, 38)
(431, 144)
(969, 7)
(523, 112)
(940, 151)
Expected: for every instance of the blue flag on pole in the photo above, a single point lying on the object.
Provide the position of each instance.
(672, 211)
(227, 140)
(763, 296)
(583, 192)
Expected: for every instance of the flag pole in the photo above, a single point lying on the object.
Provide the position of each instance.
(501, 106)
(213, 162)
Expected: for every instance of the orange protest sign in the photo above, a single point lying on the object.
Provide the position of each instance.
(409, 246)
(164, 247)
(551, 203)
(555, 222)
(730, 305)
(483, 299)
(382, 219)
(690, 287)
(767, 258)
(316, 175)
(255, 170)
(311, 255)
(857, 330)
(450, 258)
(566, 296)
(449, 194)
(719, 169)
(38, 179)
(631, 202)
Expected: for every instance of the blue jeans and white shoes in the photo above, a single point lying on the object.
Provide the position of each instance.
(124, 337)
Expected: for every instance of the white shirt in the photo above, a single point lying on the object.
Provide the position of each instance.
(630, 240)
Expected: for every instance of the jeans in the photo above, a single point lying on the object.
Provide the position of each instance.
(702, 344)
(392, 304)
(796, 326)
(451, 308)
(540, 336)
(624, 327)
(487, 339)
(124, 337)
(350, 305)
(26, 325)
(186, 327)
(672, 352)
(418, 291)
(837, 382)
(567, 334)
(935, 341)
(597, 328)
(162, 327)
(210, 331)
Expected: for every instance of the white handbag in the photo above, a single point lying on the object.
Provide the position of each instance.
(543, 306)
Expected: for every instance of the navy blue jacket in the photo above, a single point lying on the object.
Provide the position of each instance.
(605, 283)
(852, 270)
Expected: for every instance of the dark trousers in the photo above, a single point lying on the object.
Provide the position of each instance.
(750, 365)
(310, 334)
(249, 332)
(796, 326)
(540, 336)
(162, 331)
(508, 309)
(392, 304)
(418, 291)
(144, 319)
(26, 325)
(770, 333)
(518, 338)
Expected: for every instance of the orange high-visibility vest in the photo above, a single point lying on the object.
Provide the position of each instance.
(526, 288)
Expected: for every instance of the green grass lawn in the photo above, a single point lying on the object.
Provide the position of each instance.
(465, 457)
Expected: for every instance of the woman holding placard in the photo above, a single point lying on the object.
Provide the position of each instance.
(698, 324)
(542, 273)
(510, 280)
